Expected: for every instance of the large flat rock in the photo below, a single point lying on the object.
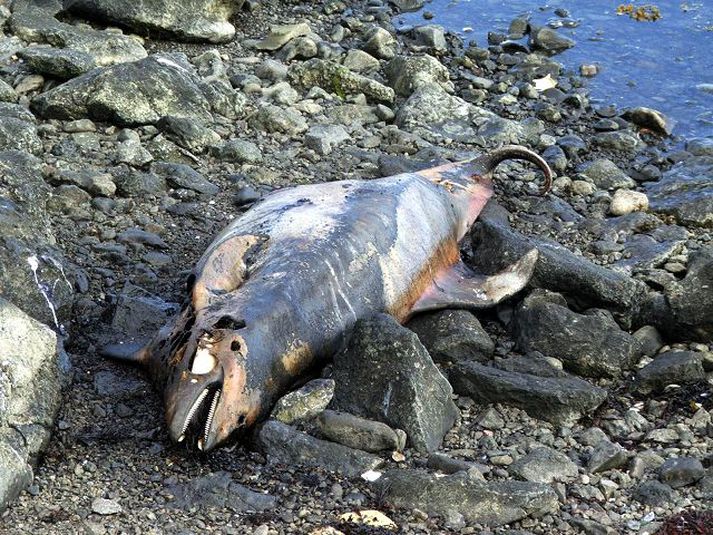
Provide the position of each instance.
(187, 20)
(32, 371)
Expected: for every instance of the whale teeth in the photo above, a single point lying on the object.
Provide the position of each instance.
(209, 418)
(192, 411)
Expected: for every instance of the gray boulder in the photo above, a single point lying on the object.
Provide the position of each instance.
(324, 138)
(431, 112)
(34, 275)
(549, 40)
(407, 391)
(685, 192)
(606, 175)
(286, 446)
(584, 284)
(672, 367)
(453, 335)
(19, 134)
(544, 465)
(690, 301)
(35, 22)
(274, 119)
(490, 503)
(558, 398)
(32, 372)
(681, 471)
(606, 455)
(304, 403)
(186, 20)
(336, 78)
(63, 63)
(592, 345)
(161, 85)
(360, 433)
(407, 73)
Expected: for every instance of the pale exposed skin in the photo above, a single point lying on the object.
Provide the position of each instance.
(279, 289)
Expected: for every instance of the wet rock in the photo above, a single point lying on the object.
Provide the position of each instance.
(583, 283)
(218, 490)
(274, 119)
(691, 300)
(430, 36)
(360, 61)
(324, 138)
(673, 367)
(387, 375)
(654, 494)
(685, 192)
(338, 79)
(36, 22)
(700, 146)
(408, 5)
(453, 335)
(32, 372)
(271, 70)
(279, 36)
(650, 119)
(681, 471)
(558, 398)
(191, 20)
(34, 275)
(407, 73)
(304, 403)
(544, 465)
(62, 63)
(241, 151)
(17, 134)
(490, 503)
(606, 175)
(184, 176)
(605, 456)
(132, 153)
(286, 446)
(431, 112)
(360, 433)
(619, 141)
(188, 133)
(555, 156)
(380, 44)
(650, 339)
(163, 85)
(625, 201)
(130, 182)
(549, 40)
(591, 345)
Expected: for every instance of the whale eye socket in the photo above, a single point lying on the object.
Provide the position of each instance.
(235, 345)
(203, 362)
(226, 322)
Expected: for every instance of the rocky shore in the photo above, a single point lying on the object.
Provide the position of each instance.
(583, 405)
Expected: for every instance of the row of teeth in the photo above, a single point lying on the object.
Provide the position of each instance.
(191, 413)
(209, 419)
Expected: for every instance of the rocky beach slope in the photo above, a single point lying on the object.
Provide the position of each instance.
(583, 405)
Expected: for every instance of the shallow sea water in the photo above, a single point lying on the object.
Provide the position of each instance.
(666, 64)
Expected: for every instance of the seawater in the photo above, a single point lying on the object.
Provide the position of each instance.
(664, 64)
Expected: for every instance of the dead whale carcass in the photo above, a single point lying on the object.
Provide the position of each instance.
(280, 287)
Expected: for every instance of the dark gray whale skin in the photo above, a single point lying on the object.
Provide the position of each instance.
(279, 289)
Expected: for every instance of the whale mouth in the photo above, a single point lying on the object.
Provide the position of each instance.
(199, 419)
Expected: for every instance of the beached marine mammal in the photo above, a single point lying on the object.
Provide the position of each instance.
(281, 286)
